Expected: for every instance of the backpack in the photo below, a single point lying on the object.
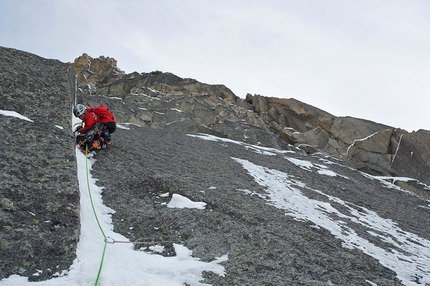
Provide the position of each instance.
(103, 114)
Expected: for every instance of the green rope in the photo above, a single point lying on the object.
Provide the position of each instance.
(101, 265)
(89, 192)
(106, 239)
(97, 219)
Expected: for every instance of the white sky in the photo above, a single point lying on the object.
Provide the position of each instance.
(367, 59)
(409, 254)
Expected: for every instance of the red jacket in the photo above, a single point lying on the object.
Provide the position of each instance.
(104, 115)
(90, 120)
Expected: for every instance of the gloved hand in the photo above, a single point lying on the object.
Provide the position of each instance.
(77, 128)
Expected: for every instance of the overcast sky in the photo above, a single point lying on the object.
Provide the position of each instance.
(366, 59)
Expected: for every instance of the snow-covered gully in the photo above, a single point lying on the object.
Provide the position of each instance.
(122, 265)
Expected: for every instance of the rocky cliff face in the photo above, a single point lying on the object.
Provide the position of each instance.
(39, 207)
(163, 100)
(160, 153)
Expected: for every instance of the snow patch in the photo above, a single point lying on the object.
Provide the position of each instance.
(408, 255)
(14, 114)
(181, 202)
(125, 125)
(309, 166)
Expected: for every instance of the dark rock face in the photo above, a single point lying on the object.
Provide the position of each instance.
(39, 210)
(39, 206)
(265, 246)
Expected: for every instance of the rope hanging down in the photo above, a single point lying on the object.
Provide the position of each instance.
(89, 193)
(97, 219)
(107, 239)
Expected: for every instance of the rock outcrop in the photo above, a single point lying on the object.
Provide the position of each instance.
(101, 76)
(365, 145)
(90, 71)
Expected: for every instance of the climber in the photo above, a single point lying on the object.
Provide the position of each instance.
(95, 129)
